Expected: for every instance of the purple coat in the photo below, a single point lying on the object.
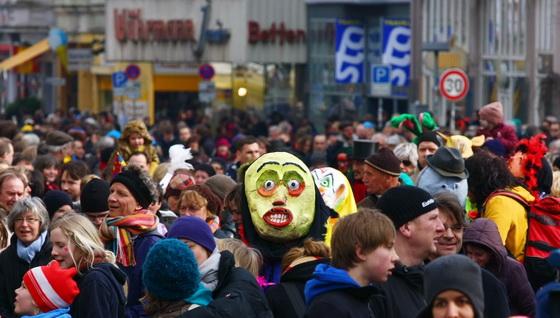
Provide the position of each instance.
(484, 232)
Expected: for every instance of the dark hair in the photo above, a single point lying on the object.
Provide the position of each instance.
(36, 183)
(45, 161)
(75, 169)
(488, 173)
(232, 201)
(248, 140)
(448, 203)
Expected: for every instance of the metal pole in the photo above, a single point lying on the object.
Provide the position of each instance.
(452, 121)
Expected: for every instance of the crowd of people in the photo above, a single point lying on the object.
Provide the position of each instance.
(269, 218)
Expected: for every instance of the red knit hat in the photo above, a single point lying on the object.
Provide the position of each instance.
(51, 287)
(493, 113)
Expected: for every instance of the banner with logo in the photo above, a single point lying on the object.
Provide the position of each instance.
(397, 45)
(350, 52)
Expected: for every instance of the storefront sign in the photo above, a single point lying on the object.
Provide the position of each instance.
(79, 59)
(130, 25)
(275, 33)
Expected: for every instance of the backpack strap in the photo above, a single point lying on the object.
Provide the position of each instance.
(509, 194)
(295, 298)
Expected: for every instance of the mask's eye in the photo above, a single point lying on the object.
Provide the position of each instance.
(293, 185)
(327, 181)
(268, 185)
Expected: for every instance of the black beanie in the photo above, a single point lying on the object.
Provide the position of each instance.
(139, 190)
(405, 203)
(94, 197)
(55, 199)
(429, 136)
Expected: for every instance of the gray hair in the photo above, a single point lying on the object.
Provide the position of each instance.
(407, 151)
(29, 204)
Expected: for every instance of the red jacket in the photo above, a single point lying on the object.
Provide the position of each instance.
(503, 133)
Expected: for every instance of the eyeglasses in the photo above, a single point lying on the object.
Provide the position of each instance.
(29, 220)
(454, 227)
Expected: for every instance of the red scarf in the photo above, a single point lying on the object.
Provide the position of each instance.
(123, 228)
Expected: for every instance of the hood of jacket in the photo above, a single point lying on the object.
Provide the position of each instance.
(327, 278)
(485, 232)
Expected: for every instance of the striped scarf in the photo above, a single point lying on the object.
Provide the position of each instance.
(123, 229)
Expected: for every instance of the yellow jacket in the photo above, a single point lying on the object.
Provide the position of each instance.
(511, 218)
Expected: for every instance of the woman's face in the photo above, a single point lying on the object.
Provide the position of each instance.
(24, 304)
(135, 140)
(26, 228)
(121, 201)
(217, 167)
(515, 164)
(452, 304)
(188, 209)
(478, 254)
(50, 173)
(200, 253)
(62, 249)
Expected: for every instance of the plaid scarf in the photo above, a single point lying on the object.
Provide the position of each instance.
(123, 229)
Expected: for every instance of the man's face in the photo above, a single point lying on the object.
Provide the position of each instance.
(377, 182)
(358, 169)
(78, 149)
(281, 196)
(70, 186)
(451, 240)
(554, 130)
(11, 190)
(184, 134)
(320, 143)
(140, 161)
(249, 153)
(348, 132)
(425, 149)
(425, 232)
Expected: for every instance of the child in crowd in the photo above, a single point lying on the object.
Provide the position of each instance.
(46, 292)
(362, 253)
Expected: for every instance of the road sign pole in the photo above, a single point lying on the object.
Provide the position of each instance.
(452, 122)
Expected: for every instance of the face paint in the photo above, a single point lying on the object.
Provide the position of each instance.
(281, 196)
(335, 190)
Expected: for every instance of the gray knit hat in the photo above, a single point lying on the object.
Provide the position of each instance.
(453, 272)
(221, 185)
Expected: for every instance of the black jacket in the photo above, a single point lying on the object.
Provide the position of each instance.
(348, 303)
(101, 293)
(12, 269)
(405, 292)
(237, 294)
(277, 295)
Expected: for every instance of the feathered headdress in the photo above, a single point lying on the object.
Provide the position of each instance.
(534, 150)
(178, 155)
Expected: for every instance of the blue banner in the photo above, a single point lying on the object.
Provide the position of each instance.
(350, 52)
(397, 52)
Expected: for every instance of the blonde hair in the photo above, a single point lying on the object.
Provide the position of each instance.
(310, 248)
(195, 199)
(555, 188)
(245, 257)
(82, 235)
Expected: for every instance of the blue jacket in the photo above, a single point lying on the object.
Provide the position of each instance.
(57, 313)
(333, 293)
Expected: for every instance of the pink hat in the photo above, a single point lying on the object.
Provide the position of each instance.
(493, 113)
(222, 142)
(51, 287)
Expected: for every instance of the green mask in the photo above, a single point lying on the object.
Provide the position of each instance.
(281, 196)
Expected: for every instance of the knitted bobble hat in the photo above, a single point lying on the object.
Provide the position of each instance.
(51, 286)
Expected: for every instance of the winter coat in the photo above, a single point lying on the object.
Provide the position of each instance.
(12, 269)
(56, 313)
(369, 202)
(237, 294)
(405, 291)
(511, 218)
(333, 293)
(496, 304)
(277, 295)
(101, 292)
(126, 151)
(142, 244)
(483, 232)
(505, 134)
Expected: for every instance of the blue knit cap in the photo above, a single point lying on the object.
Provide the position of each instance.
(170, 271)
(193, 229)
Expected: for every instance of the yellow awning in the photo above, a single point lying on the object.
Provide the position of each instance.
(25, 55)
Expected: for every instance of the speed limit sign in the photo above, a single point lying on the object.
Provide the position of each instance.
(454, 84)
